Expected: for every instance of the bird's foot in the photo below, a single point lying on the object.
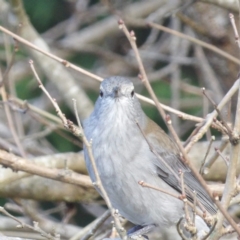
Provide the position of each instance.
(138, 232)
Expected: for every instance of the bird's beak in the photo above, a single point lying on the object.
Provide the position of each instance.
(117, 92)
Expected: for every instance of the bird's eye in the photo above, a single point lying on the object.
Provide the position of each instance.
(132, 93)
(101, 93)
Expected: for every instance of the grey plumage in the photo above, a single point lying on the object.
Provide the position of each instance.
(123, 158)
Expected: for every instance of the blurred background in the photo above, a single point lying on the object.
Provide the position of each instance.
(86, 33)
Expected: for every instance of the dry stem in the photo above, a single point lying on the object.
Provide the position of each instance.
(78, 131)
(87, 73)
(132, 39)
(35, 228)
(197, 41)
(232, 20)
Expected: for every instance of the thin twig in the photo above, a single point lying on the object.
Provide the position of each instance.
(180, 232)
(207, 152)
(156, 154)
(187, 216)
(210, 117)
(58, 110)
(11, 82)
(35, 228)
(211, 230)
(230, 184)
(193, 133)
(175, 75)
(194, 209)
(232, 20)
(152, 149)
(190, 225)
(99, 221)
(10, 64)
(229, 130)
(211, 161)
(143, 23)
(132, 39)
(181, 114)
(25, 106)
(78, 131)
(121, 231)
(64, 62)
(11, 122)
(197, 41)
(225, 159)
(144, 184)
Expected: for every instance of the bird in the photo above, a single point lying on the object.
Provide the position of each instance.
(122, 138)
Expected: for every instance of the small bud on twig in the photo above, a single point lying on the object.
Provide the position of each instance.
(168, 119)
(132, 34)
(65, 63)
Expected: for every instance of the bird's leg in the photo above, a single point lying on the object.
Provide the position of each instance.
(140, 231)
(137, 233)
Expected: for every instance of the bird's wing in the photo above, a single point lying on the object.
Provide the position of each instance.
(169, 164)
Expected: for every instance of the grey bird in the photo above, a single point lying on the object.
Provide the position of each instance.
(118, 129)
